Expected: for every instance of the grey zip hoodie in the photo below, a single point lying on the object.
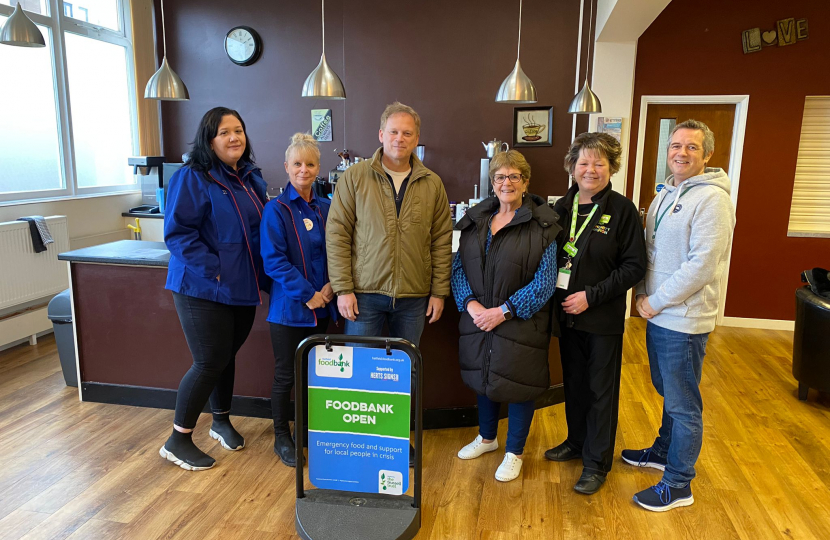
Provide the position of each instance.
(688, 254)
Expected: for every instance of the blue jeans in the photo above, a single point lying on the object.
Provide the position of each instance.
(676, 362)
(404, 316)
(519, 418)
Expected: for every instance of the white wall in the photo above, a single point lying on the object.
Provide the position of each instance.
(91, 220)
(613, 83)
(619, 25)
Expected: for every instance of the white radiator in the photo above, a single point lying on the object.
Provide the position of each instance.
(25, 275)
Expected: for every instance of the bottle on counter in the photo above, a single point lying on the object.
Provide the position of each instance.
(475, 200)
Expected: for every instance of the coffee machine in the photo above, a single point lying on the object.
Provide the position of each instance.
(323, 187)
(334, 174)
(492, 148)
(150, 172)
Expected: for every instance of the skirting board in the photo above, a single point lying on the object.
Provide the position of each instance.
(761, 324)
(162, 398)
(27, 324)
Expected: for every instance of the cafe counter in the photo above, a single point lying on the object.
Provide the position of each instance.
(132, 351)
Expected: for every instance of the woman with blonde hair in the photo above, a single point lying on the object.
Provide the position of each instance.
(293, 240)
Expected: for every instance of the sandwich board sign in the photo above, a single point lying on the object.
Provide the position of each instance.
(358, 419)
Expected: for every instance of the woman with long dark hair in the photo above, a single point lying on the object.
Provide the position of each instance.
(211, 227)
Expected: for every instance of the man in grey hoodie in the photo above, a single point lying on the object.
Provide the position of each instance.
(688, 240)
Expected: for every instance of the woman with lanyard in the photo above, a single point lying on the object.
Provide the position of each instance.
(294, 255)
(603, 258)
(211, 227)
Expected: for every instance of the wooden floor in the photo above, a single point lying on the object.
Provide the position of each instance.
(84, 470)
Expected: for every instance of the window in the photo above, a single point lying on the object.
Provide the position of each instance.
(70, 123)
(29, 146)
(810, 210)
(35, 6)
(103, 13)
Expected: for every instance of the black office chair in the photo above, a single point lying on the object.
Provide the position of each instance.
(811, 343)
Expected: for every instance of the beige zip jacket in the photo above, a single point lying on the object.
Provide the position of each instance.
(371, 249)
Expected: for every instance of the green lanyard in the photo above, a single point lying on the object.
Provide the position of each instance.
(570, 246)
(660, 219)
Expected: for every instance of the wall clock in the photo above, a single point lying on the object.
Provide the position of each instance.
(243, 45)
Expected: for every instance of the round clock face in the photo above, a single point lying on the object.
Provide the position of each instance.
(242, 45)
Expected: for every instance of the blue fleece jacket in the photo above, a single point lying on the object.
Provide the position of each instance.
(211, 227)
(293, 234)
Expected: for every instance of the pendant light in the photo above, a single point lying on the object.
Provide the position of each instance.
(323, 82)
(517, 87)
(586, 102)
(20, 31)
(165, 85)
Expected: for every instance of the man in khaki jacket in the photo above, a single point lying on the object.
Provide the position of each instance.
(389, 236)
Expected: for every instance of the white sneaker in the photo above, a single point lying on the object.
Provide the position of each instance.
(477, 447)
(509, 468)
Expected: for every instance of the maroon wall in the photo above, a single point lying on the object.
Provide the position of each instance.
(694, 48)
(444, 58)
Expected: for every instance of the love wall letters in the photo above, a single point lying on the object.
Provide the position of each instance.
(786, 32)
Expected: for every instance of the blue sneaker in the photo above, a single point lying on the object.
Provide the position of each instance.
(663, 497)
(644, 458)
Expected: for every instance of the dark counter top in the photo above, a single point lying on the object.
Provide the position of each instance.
(132, 252)
(128, 252)
(142, 216)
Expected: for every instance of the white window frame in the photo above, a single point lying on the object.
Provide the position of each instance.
(58, 24)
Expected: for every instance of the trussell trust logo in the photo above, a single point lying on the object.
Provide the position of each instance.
(390, 482)
(335, 363)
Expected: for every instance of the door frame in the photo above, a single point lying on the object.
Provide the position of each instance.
(741, 102)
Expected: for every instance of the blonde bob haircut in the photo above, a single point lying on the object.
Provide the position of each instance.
(513, 159)
(602, 143)
(303, 144)
(397, 108)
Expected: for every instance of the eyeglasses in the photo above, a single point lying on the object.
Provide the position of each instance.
(514, 178)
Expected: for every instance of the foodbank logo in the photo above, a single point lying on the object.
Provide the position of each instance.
(335, 363)
(390, 482)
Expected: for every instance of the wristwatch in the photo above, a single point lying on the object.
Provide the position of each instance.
(506, 312)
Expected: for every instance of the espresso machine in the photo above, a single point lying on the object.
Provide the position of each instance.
(335, 173)
(492, 148)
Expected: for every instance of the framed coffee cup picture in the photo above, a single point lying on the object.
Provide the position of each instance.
(532, 126)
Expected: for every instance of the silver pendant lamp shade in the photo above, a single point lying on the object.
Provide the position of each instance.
(165, 85)
(517, 87)
(586, 102)
(20, 31)
(323, 82)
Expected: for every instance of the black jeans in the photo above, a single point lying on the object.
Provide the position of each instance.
(591, 366)
(284, 340)
(214, 333)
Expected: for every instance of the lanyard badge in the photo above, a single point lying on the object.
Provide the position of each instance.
(570, 246)
(564, 277)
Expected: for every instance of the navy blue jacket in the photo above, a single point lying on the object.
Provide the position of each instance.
(297, 270)
(211, 227)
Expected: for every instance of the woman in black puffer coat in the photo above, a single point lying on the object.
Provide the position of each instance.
(503, 277)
